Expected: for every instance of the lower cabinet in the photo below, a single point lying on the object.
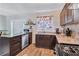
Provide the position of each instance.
(15, 45)
(10, 46)
(30, 38)
(46, 41)
(4, 47)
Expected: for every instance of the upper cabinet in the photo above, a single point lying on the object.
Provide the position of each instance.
(76, 12)
(69, 14)
(64, 15)
(62, 18)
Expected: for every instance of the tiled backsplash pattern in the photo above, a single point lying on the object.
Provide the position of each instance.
(74, 28)
(45, 24)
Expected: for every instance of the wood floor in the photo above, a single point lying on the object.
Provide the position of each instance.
(34, 51)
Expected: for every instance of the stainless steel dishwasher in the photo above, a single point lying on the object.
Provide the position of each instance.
(25, 41)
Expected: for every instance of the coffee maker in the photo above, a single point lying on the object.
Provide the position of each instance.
(57, 31)
(68, 32)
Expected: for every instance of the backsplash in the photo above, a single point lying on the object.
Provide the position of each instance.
(73, 27)
(44, 24)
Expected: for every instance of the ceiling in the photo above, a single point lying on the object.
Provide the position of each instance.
(26, 8)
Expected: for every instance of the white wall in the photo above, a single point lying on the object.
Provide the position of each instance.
(15, 24)
(2, 22)
(18, 27)
(73, 27)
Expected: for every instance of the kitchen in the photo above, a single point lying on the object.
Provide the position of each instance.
(37, 28)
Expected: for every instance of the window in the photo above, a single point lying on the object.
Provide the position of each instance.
(44, 24)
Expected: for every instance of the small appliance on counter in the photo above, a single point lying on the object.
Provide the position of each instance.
(26, 31)
(57, 31)
(0, 33)
(68, 32)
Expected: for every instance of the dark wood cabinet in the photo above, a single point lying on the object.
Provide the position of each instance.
(15, 45)
(66, 15)
(69, 14)
(11, 46)
(45, 41)
(30, 37)
(76, 13)
(62, 18)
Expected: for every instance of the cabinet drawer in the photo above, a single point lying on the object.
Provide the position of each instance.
(14, 49)
(14, 40)
(15, 45)
(14, 52)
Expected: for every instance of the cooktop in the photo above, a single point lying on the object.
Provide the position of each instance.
(68, 50)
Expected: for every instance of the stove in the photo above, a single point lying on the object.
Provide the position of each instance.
(67, 50)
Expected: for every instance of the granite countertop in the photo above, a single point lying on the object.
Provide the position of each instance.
(61, 38)
(66, 39)
(9, 36)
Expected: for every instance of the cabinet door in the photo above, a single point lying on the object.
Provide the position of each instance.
(62, 18)
(30, 38)
(38, 40)
(70, 15)
(65, 16)
(14, 49)
(45, 41)
(4, 46)
(15, 45)
(42, 41)
(1, 46)
(76, 15)
(76, 12)
(53, 41)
